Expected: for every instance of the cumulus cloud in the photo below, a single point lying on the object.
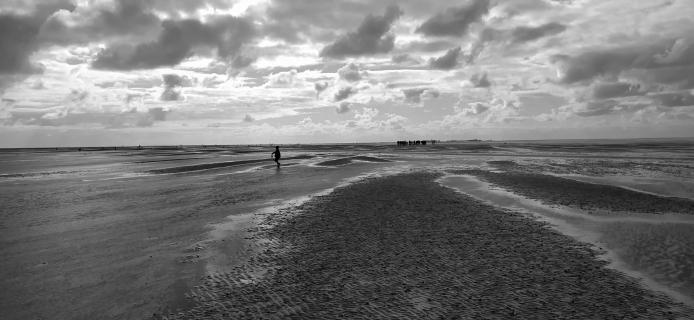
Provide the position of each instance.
(171, 84)
(370, 38)
(343, 107)
(416, 95)
(668, 63)
(447, 61)
(480, 80)
(100, 20)
(350, 72)
(476, 108)
(176, 42)
(455, 21)
(19, 40)
(320, 86)
(344, 93)
(525, 34)
(282, 79)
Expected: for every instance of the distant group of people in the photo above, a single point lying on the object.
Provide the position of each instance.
(414, 142)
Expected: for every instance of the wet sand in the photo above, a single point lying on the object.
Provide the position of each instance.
(597, 198)
(404, 246)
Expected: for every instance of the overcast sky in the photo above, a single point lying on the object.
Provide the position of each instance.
(128, 72)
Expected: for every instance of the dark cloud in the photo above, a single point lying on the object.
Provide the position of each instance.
(343, 107)
(665, 59)
(241, 61)
(480, 80)
(525, 34)
(171, 84)
(370, 38)
(415, 95)
(19, 39)
(344, 93)
(123, 19)
(447, 61)
(248, 118)
(426, 46)
(455, 21)
(606, 90)
(674, 99)
(176, 42)
(299, 20)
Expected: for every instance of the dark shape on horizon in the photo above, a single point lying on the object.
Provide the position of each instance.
(276, 154)
(415, 142)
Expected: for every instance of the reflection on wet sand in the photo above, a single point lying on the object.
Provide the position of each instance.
(656, 248)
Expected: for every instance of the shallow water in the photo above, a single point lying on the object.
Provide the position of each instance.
(99, 234)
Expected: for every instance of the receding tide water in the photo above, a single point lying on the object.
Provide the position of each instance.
(113, 233)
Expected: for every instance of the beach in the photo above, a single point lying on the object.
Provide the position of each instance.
(405, 247)
(491, 230)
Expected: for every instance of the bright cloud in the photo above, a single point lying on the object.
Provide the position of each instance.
(107, 72)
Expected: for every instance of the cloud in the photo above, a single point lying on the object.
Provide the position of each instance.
(480, 80)
(176, 42)
(476, 108)
(100, 20)
(19, 40)
(157, 113)
(455, 21)
(415, 95)
(405, 59)
(344, 93)
(343, 107)
(526, 34)
(666, 59)
(320, 87)
(447, 61)
(171, 83)
(606, 90)
(370, 38)
(248, 118)
(241, 61)
(350, 72)
(284, 79)
(674, 99)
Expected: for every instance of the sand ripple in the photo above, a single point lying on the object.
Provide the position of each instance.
(406, 247)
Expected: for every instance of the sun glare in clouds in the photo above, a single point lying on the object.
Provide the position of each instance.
(127, 72)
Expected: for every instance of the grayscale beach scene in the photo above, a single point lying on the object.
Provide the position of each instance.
(540, 229)
(346, 159)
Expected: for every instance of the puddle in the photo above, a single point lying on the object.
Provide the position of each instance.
(655, 249)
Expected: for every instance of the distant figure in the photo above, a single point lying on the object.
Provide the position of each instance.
(276, 154)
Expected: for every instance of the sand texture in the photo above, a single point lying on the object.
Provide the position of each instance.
(586, 196)
(348, 160)
(404, 247)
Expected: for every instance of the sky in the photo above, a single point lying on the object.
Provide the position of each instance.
(176, 72)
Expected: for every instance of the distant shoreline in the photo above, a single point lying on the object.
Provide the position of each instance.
(600, 141)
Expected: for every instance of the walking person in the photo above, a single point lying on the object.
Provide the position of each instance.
(276, 154)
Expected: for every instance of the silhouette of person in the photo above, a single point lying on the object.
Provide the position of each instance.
(276, 154)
